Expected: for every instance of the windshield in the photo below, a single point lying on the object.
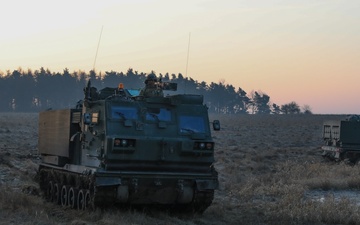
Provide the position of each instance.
(192, 124)
(158, 114)
(121, 112)
(134, 92)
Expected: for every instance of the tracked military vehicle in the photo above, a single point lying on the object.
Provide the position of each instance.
(342, 139)
(116, 147)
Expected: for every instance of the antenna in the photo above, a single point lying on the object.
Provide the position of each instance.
(187, 60)
(97, 49)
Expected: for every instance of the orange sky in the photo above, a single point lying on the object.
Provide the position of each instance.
(304, 51)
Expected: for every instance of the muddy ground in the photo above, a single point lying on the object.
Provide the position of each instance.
(267, 165)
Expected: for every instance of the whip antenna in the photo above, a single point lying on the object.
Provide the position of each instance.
(187, 60)
(97, 49)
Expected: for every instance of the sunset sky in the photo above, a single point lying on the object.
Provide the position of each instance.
(305, 51)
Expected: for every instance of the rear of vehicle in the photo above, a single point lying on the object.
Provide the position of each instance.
(342, 140)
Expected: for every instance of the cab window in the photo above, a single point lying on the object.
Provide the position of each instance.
(125, 113)
(158, 114)
(191, 124)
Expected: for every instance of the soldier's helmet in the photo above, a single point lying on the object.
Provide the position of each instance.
(150, 77)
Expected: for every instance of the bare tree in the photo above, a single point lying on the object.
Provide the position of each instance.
(306, 109)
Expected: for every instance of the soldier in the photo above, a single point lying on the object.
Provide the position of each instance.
(152, 88)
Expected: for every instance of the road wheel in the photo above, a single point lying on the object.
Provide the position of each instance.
(64, 195)
(50, 191)
(87, 199)
(81, 199)
(72, 197)
(56, 194)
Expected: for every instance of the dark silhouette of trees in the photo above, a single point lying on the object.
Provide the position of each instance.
(28, 91)
(134, 80)
(43, 90)
(110, 78)
(242, 102)
(290, 108)
(6, 98)
(275, 109)
(216, 97)
(260, 103)
(25, 86)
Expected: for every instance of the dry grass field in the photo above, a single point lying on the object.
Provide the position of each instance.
(270, 171)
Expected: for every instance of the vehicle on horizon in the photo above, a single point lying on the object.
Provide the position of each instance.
(342, 139)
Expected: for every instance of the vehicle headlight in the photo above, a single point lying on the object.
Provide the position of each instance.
(203, 145)
(124, 142)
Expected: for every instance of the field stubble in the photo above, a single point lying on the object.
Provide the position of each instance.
(270, 172)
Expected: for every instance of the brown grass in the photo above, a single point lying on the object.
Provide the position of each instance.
(269, 167)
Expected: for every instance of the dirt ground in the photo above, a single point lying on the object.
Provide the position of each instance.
(256, 157)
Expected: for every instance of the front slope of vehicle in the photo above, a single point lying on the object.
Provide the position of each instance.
(161, 149)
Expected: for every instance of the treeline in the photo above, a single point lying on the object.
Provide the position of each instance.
(34, 91)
